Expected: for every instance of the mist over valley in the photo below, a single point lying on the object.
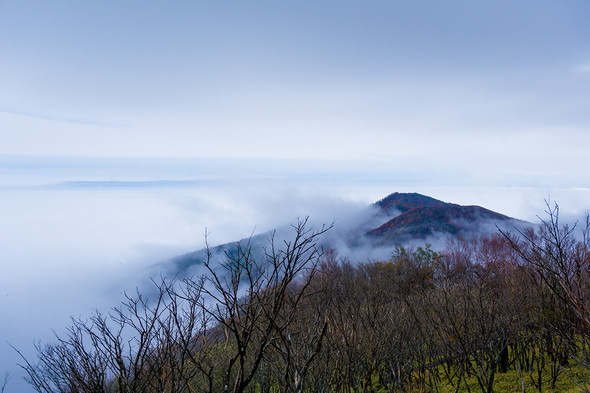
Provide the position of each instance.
(389, 138)
(74, 243)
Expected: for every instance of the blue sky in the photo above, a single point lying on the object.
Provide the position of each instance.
(501, 83)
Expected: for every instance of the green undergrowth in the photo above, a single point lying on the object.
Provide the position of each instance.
(569, 381)
(511, 382)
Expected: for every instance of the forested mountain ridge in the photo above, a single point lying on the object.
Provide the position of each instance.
(403, 202)
(410, 219)
(492, 312)
(421, 216)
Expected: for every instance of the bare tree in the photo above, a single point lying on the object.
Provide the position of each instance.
(7, 377)
(559, 263)
(254, 301)
(206, 334)
(106, 353)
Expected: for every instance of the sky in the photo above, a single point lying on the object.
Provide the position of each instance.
(503, 83)
(127, 127)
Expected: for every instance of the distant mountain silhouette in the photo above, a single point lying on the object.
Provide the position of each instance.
(416, 219)
(422, 216)
(404, 202)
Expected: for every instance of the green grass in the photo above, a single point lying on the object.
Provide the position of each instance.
(510, 382)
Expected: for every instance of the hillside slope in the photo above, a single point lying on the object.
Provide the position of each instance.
(417, 219)
(421, 217)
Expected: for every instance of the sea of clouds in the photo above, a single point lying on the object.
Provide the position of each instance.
(75, 237)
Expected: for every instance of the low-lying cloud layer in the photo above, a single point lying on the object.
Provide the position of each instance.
(75, 239)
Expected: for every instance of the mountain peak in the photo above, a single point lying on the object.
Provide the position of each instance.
(404, 202)
(422, 216)
(417, 218)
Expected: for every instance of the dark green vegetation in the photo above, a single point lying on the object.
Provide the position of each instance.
(495, 312)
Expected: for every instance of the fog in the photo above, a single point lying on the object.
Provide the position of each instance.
(70, 243)
(73, 240)
(321, 108)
